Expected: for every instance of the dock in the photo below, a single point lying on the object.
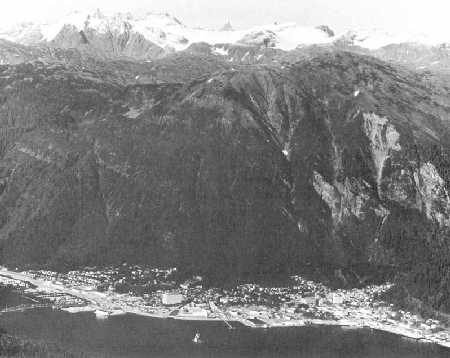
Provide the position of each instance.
(23, 308)
(221, 314)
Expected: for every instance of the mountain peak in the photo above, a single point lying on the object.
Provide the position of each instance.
(227, 27)
(327, 30)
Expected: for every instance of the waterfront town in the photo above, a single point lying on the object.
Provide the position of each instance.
(154, 293)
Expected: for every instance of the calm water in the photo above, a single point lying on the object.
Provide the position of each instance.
(135, 336)
(9, 298)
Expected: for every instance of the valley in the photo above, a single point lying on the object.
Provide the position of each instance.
(270, 177)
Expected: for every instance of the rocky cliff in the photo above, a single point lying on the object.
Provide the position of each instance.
(339, 160)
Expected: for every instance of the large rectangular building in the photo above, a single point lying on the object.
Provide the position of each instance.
(170, 299)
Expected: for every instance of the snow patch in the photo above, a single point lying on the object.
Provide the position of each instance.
(34, 154)
(375, 38)
(220, 51)
(133, 113)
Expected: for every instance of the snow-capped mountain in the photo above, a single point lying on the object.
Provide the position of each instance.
(147, 36)
(164, 31)
(149, 25)
(374, 39)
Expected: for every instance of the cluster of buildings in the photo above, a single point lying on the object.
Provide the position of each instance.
(302, 302)
(12, 283)
(109, 278)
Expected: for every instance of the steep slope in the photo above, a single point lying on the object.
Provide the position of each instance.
(338, 161)
(12, 53)
(417, 56)
(176, 67)
(111, 43)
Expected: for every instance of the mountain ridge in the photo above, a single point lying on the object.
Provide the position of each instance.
(169, 33)
(85, 38)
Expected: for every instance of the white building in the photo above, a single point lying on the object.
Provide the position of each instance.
(170, 299)
(337, 299)
(194, 312)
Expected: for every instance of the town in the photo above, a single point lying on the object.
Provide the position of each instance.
(156, 293)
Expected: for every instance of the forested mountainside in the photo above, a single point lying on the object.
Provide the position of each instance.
(335, 160)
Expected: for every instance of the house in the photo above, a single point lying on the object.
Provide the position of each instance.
(223, 300)
(337, 299)
(308, 300)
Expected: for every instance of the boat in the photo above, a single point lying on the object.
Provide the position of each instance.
(197, 339)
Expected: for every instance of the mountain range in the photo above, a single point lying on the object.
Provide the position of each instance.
(231, 153)
(145, 37)
(171, 34)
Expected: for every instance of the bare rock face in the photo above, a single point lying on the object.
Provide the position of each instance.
(115, 43)
(339, 160)
(327, 30)
(12, 54)
(227, 27)
(417, 56)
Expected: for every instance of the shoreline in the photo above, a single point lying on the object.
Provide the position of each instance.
(104, 305)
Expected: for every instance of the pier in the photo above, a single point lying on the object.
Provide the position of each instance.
(221, 315)
(22, 308)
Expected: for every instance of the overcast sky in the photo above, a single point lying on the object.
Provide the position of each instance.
(391, 15)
